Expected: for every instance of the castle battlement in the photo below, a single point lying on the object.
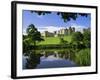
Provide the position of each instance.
(61, 32)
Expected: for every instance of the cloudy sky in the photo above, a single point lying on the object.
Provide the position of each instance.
(52, 22)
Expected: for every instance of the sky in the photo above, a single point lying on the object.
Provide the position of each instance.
(52, 22)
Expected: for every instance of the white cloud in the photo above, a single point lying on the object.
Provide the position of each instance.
(50, 28)
(40, 16)
(46, 28)
(24, 32)
(78, 27)
(56, 28)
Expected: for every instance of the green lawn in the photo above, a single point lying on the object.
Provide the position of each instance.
(67, 38)
(54, 40)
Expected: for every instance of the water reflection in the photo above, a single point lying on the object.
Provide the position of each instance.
(48, 59)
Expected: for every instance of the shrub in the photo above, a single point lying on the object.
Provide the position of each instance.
(83, 57)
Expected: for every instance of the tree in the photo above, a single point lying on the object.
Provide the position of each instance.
(62, 41)
(26, 44)
(33, 60)
(77, 39)
(33, 34)
(87, 38)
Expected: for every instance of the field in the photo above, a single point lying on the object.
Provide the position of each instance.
(54, 40)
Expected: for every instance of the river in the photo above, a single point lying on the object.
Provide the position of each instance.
(37, 59)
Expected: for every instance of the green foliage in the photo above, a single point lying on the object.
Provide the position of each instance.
(62, 41)
(31, 38)
(87, 38)
(31, 30)
(33, 34)
(26, 44)
(77, 40)
(52, 46)
(87, 35)
(33, 60)
(83, 57)
(77, 37)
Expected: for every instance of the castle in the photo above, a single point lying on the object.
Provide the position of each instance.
(60, 32)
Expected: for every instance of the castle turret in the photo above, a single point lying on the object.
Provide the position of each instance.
(73, 29)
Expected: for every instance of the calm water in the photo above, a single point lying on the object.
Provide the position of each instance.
(48, 59)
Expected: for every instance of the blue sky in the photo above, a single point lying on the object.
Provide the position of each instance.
(52, 22)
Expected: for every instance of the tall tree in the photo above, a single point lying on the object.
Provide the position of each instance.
(77, 39)
(87, 38)
(33, 34)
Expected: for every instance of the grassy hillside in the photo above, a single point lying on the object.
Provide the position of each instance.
(54, 40)
(68, 38)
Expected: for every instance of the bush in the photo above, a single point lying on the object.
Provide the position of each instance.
(83, 57)
(87, 39)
